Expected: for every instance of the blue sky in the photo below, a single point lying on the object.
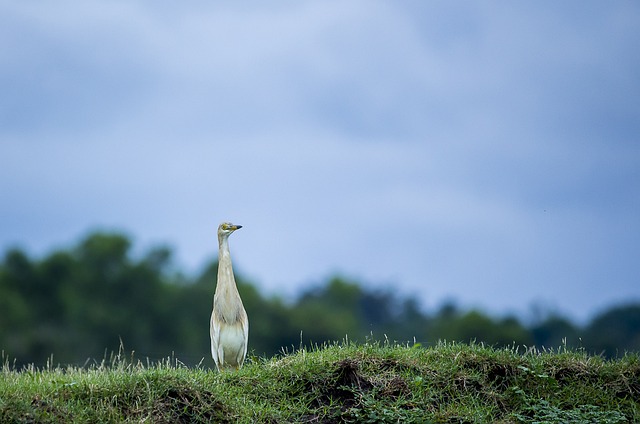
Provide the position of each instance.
(487, 153)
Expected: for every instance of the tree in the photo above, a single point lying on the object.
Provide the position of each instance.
(554, 332)
(83, 302)
(615, 331)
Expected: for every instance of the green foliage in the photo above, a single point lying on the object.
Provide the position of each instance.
(553, 330)
(544, 412)
(338, 382)
(615, 331)
(474, 325)
(76, 304)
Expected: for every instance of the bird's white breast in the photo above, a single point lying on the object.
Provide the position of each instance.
(232, 341)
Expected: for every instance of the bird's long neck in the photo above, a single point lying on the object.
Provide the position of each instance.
(226, 282)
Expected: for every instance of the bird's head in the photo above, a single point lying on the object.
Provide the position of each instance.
(227, 228)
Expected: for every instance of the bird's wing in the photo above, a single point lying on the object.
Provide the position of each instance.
(245, 330)
(241, 354)
(214, 330)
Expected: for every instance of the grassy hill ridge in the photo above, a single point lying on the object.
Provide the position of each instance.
(371, 382)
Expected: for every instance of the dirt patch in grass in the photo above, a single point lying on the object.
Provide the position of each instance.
(184, 405)
(341, 387)
(43, 412)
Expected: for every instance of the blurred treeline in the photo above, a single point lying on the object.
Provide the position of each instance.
(84, 303)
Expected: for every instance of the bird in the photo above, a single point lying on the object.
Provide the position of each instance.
(229, 326)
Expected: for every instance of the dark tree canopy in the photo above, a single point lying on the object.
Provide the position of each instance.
(84, 303)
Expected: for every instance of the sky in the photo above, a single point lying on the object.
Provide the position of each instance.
(486, 153)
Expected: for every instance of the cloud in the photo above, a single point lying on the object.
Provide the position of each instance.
(481, 152)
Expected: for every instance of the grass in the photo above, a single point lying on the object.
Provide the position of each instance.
(371, 382)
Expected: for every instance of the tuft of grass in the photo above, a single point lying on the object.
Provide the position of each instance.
(339, 382)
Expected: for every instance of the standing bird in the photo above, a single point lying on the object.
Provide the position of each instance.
(229, 323)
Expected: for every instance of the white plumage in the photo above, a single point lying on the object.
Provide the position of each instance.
(229, 328)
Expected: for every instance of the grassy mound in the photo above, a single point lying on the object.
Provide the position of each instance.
(448, 383)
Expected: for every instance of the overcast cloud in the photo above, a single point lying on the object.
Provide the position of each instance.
(483, 152)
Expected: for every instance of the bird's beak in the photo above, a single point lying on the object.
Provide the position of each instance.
(236, 227)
